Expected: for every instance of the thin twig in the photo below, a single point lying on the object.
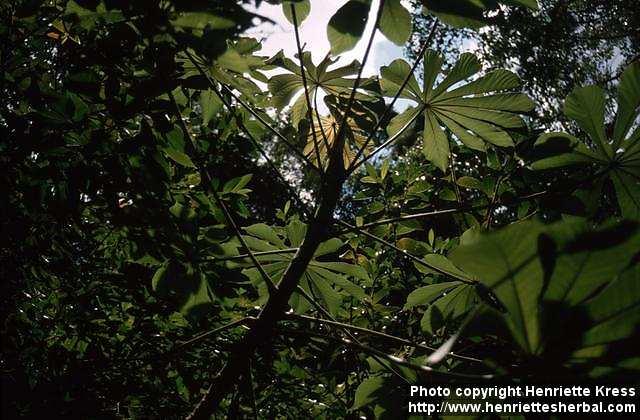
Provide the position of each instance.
(252, 394)
(356, 83)
(293, 194)
(227, 213)
(274, 168)
(315, 106)
(494, 199)
(388, 141)
(257, 254)
(389, 107)
(402, 252)
(452, 166)
(326, 313)
(202, 336)
(448, 211)
(271, 286)
(305, 86)
(381, 335)
(250, 109)
(392, 358)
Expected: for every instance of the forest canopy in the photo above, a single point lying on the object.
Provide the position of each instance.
(192, 228)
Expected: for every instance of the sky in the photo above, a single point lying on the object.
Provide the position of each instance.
(313, 33)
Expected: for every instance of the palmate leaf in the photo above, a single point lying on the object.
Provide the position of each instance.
(617, 154)
(185, 284)
(285, 87)
(347, 25)
(506, 262)
(446, 301)
(478, 112)
(615, 315)
(539, 271)
(328, 129)
(327, 280)
(237, 67)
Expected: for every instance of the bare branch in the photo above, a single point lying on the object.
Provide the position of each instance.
(494, 199)
(293, 194)
(256, 254)
(447, 211)
(356, 83)
(202, 336)
(252, 394)
(387, 142)
(255, 142)
(454, 178)
(271, 286)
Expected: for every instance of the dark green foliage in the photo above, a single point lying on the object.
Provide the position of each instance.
(157, 181)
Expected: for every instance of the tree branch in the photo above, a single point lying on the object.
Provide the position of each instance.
(446, 211)
(356, 83)
(395, 359)
(227, 213)
(202, 336)
(257, 254)
(265, 325)
(388, 142)
(346, 330)
(276, 172)
(305, 86)
(403, 252)
(228, 105)
(389, 337)
(389, 107)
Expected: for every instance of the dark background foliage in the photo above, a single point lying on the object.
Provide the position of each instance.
(113, 246)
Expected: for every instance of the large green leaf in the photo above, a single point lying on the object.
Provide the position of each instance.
(347, 25)
(561, 149)
(210, 105)
(368, 390)
(615, 312)
(329, 280)
(237, 67)
(613, 318)
(425, 294)
(617, 155)
(539, 271)
(395, 22)
(285, 87)
(506, 261)
(302, 9)
(476, 112)
(578, 270)
(586, 106)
